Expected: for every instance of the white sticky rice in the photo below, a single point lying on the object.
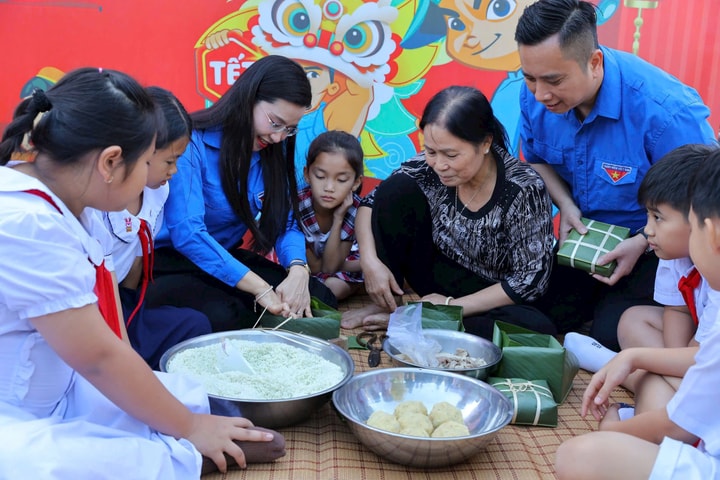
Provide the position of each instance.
(281, 371)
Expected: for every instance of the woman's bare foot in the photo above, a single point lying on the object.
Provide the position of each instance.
(356, 318)
(255, 452)
(377, 321)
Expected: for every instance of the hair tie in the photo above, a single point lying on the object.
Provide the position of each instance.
(41, 101)
(42, 104)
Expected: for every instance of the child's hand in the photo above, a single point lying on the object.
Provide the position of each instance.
(597, 393)
(341, 210)
(213, 436)
(610, 418)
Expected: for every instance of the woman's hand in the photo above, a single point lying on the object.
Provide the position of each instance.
(437, 299)
(380, 284)
(270, 300)
(213, 436)
(295, 292)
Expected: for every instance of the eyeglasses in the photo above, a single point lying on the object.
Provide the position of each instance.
(279, 127)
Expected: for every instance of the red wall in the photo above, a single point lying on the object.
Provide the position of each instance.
(154, 41)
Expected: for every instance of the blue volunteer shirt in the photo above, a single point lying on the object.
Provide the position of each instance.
(640, 114)
(199, 221)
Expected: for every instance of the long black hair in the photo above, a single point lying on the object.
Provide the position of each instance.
(88, 109)
(269, 79)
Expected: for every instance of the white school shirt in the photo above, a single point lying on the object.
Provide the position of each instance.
(124, 227)
(46, 268)
(707, 300)
(694, 406)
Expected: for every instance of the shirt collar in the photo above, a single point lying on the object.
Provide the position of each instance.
(212, 136)
(609, 97)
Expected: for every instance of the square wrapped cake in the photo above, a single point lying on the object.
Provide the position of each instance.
(583, 251)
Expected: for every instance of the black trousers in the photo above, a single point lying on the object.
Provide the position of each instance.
(402, 228)
(181, 283)
(574, 297)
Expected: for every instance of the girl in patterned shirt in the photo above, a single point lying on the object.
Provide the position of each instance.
(327, 210)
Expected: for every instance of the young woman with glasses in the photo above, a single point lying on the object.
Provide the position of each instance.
(237, 176)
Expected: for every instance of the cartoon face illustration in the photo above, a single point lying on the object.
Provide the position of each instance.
(480, 33)
(321, 80)
(351, 37)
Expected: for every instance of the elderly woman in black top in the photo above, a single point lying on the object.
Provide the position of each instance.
(463, 223)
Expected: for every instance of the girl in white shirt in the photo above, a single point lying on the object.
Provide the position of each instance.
(75, 400)
(152, 331)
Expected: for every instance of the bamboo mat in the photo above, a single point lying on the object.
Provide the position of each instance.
(324, 448)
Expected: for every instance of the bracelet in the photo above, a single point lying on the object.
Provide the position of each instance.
(259, 296)
(447, 300)
(299, 263)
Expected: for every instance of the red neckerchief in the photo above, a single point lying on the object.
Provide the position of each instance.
(103, 281)
(146, 244)
(687, 286)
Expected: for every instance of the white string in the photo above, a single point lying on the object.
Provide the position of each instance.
(260, 317)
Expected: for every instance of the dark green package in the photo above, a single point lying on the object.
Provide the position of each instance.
(325, 323)
(445, 317)
(528, 354)
(532, 399)
(582, 251)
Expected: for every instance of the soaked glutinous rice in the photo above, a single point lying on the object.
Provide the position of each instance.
(281, 371)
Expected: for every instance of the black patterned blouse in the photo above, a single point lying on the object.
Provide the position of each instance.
(509, 240)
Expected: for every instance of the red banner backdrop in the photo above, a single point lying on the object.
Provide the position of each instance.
(163, 43)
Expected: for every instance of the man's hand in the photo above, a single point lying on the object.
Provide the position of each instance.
(570, 218)
(626, 254)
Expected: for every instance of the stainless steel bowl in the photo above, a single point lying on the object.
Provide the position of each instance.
(272, 413)
(485, 411)
(451, 340)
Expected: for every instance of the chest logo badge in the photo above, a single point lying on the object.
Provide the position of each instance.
(616, 172)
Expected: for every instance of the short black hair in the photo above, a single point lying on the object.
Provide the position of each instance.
(574, 21)
(668, 180)
(704, 192)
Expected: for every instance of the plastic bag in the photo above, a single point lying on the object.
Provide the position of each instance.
(405, 332)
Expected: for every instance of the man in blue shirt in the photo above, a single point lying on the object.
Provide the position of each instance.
(593, 122)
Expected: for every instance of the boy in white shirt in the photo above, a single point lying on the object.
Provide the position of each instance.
(687, 303)
(659, 444)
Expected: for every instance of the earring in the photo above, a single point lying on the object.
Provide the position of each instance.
(487, 151)
(109, 180)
